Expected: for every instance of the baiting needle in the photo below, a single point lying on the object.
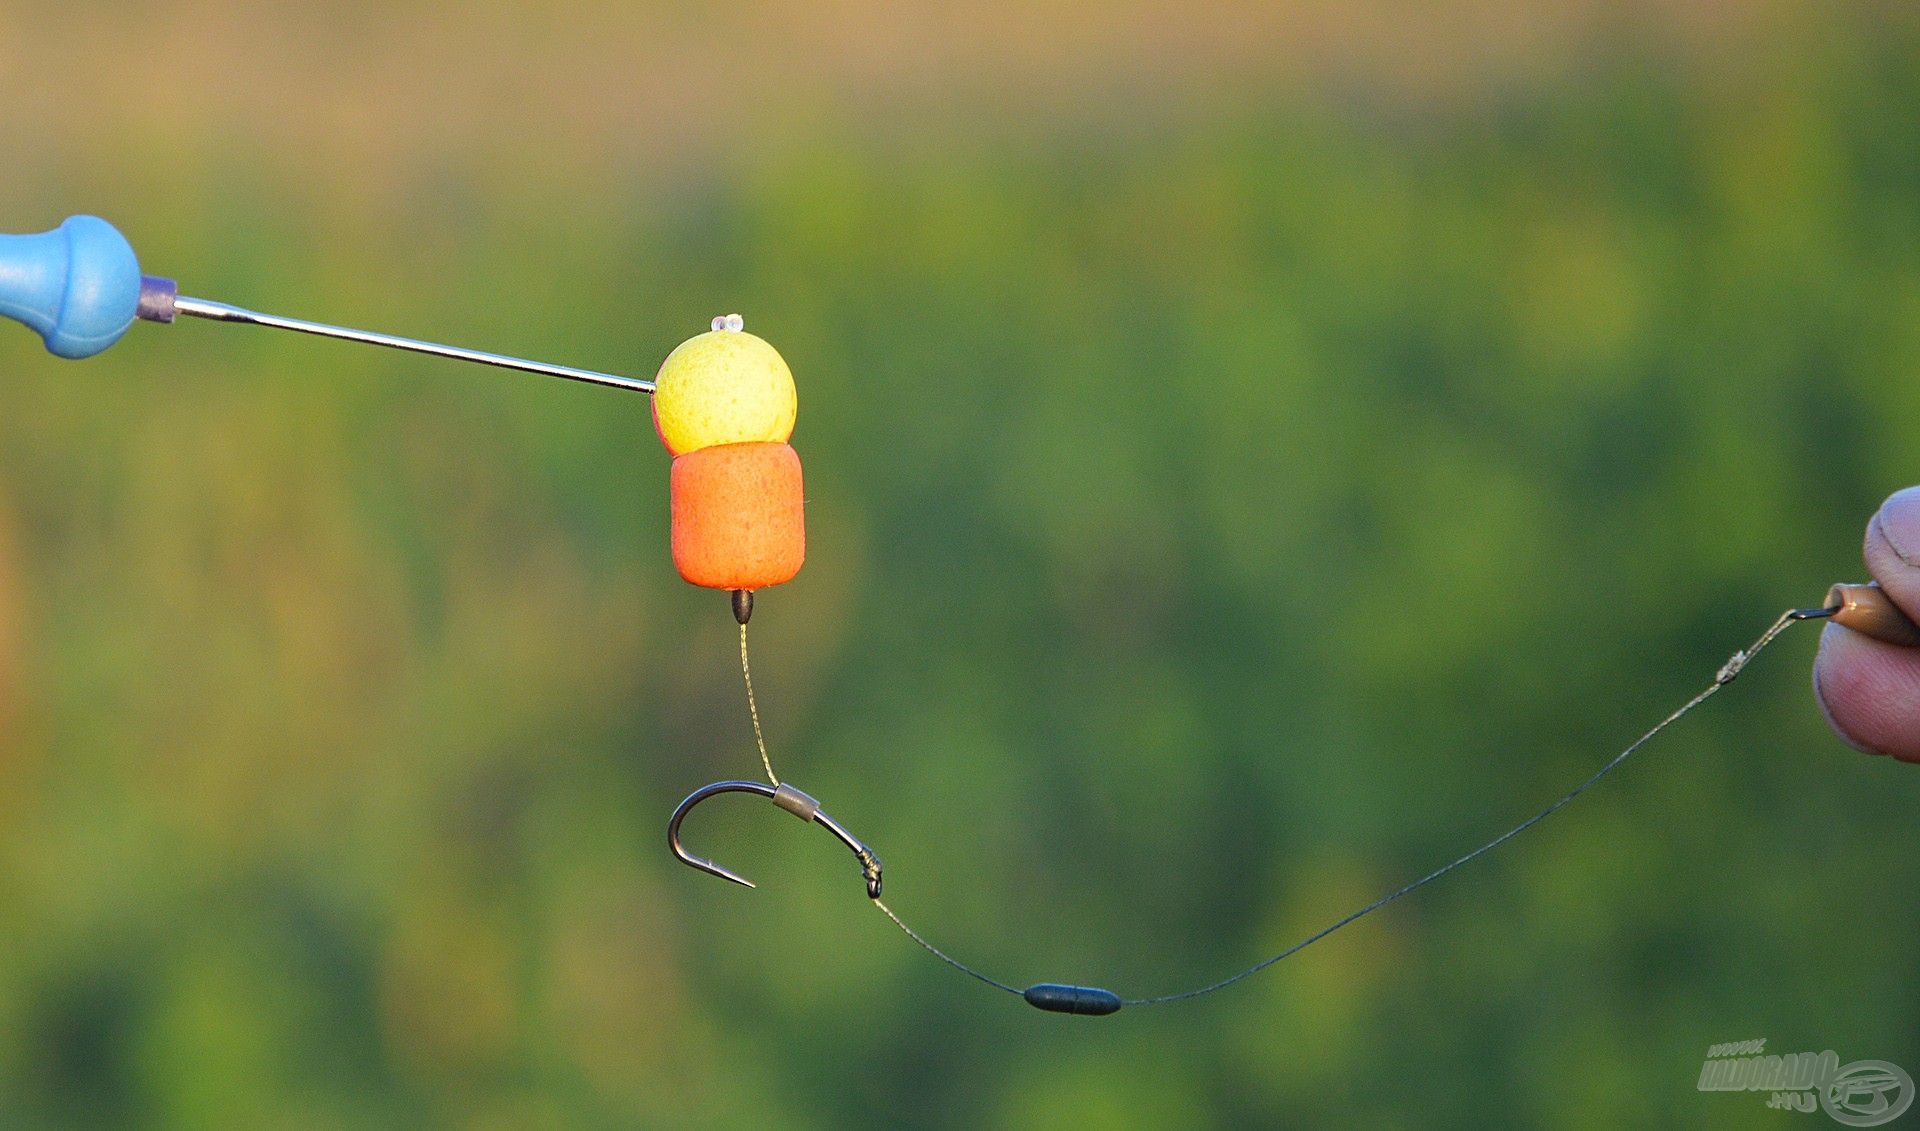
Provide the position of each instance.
(79, 287)
(160, 296)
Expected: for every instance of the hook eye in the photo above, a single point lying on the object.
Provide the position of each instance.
(786, 797)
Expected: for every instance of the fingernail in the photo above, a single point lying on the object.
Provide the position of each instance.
(1899, 522)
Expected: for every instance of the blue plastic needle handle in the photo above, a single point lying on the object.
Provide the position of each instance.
(77, 286)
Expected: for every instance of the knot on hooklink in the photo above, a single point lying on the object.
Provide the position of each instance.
(870, 871)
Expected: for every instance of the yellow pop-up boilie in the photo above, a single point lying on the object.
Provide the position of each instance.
(724, 405)
(723, 387)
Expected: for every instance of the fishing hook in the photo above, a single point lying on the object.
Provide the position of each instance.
(786, 797)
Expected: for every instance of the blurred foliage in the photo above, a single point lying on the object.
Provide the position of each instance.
(1215, 520)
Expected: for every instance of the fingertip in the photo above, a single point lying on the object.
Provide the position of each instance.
(1869, 692)
(1892, 549)
(1831, 643)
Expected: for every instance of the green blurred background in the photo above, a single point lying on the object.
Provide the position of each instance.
(1253, 454)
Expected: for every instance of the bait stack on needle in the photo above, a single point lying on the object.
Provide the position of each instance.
(724, 405)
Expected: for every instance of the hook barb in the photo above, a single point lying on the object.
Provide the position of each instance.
(786, 797)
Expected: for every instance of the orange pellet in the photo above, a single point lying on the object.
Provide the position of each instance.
(738, 519)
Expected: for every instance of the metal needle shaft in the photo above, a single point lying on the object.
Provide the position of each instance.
(222, 312)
